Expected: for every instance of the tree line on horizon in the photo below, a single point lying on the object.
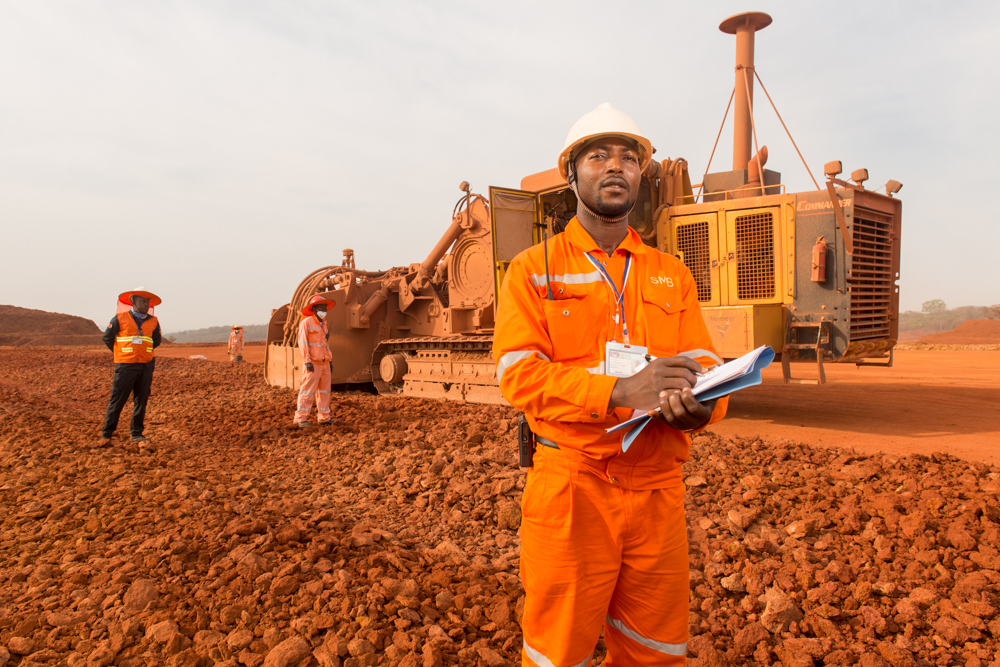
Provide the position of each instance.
(251, 333)
(935, 316)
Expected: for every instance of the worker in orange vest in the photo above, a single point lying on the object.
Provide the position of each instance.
(316, 361)
(236, 344)
(132, 335)
(592, 326)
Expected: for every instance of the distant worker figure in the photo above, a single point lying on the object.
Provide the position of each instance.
(236, 344)
(131, 335)
(603, 535)
(316, 361)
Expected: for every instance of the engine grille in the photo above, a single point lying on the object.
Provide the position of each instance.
(755, 256)
(692, 242)
(871, 279)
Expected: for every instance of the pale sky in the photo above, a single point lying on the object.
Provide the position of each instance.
(217, 152)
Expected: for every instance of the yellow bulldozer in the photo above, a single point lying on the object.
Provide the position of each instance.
(812, 274)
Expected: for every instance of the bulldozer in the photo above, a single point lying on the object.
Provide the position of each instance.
(420, 330)
(812, 274)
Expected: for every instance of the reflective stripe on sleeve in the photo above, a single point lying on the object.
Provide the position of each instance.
(662, 647)
(511, 358)
(542, 660)
(694, 354)
(568, 279)
(317, 344)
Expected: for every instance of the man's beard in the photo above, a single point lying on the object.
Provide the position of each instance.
(609, 210)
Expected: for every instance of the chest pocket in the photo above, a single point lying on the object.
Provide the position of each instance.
(576, 325)
(662, 306)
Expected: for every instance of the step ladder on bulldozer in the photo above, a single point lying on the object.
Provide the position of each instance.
(802, 337)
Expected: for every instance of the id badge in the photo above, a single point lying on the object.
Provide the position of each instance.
(137, 340)
(622, 360)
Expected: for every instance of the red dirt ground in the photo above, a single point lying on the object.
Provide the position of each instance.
(391, 538)
(929, 401)
(970, 332)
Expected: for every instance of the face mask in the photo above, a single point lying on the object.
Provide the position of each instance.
(321, 314)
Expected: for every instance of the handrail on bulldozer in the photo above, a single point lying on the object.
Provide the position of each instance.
(683, 199)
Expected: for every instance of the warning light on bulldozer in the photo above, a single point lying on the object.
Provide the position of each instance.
(833, 169)
(892, 187)
(859, 176)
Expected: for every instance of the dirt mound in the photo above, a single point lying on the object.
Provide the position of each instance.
(970, 332)
(392, 537)
(25, 326)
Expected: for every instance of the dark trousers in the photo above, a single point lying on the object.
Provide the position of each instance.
(134, 380)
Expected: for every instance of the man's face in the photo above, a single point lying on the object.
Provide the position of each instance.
(608, 176)
(141, 304)
(319, 308)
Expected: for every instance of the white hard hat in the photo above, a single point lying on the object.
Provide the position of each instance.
(604, 121)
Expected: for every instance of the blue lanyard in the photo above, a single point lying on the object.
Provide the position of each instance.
(619, 295)
(138, 322)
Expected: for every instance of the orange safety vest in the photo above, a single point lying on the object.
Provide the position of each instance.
(550, 353)
(312, 340)
(134, 345)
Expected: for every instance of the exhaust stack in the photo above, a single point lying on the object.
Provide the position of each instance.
(743, 26)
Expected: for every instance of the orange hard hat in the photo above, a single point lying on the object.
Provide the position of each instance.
(236, 326)
(316, 301)
(126, 297)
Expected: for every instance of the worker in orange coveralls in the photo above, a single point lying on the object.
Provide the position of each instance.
(603, 537)
(317, 360)
(236, 344)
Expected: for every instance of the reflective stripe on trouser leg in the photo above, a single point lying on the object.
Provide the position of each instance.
(323, 393)
(662, 647)
(307, 393)
(647, 621)
(531, 656)
(571, 534)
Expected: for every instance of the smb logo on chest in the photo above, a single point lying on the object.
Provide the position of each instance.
(662, 280)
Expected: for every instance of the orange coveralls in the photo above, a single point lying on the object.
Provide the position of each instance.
(235, 344)
(316, 384)
(603, 536)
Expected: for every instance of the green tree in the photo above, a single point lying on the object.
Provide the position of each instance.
(933, 306)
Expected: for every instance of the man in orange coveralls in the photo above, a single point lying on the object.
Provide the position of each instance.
(603, 538)
(236, 344)
(316, 359)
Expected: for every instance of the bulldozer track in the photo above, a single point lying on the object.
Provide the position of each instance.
(455, 343)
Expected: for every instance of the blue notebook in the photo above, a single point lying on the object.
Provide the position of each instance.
(716, 383)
